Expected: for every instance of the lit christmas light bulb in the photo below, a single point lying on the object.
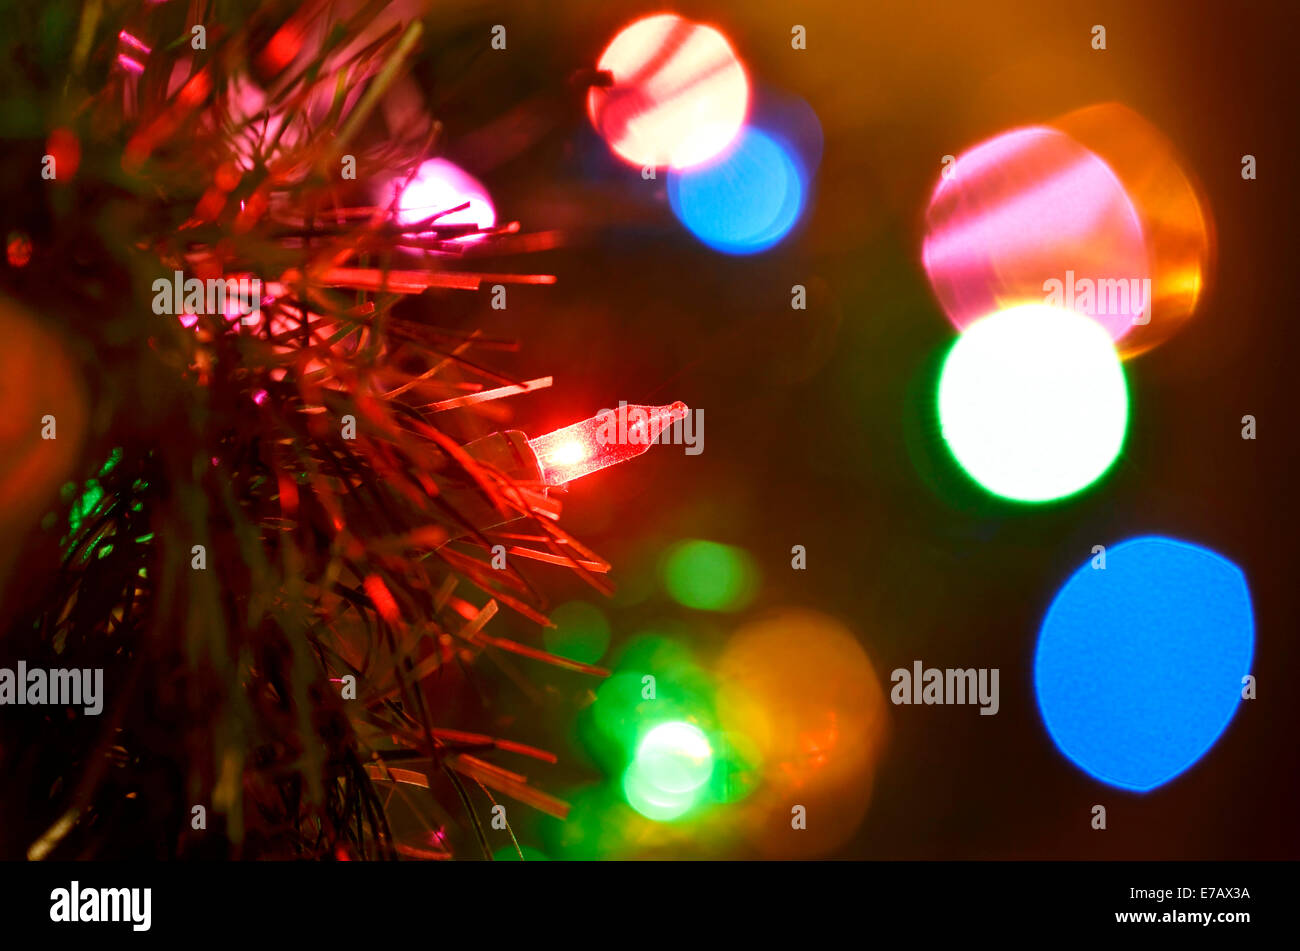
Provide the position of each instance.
(564, 455)
(607, 438)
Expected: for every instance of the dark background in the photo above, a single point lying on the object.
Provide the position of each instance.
(816, 423)
(815, 429)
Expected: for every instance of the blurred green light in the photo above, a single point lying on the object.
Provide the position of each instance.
(653, 802)
(673, 763)
(675, 757)
(508, 853)
(709, 576)
(655, 679)
(660, 648)
(618, 703)
(581, 632)
(597, 826)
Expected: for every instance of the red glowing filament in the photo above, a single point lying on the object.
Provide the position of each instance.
(608, 437)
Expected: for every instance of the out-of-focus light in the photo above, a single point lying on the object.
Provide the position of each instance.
(65, 148)
(679, 94)
(653, 802)
(128, 39)
(438, 187)
(676, 757)
(581, 632)
(1140, 663)
(1176, 224)
(1027, 208)
(744, 202)
(738, 768)
(588, 832)
(1033, 402)
(800, 705)
(709, 576)
(655, 679)
(19, 249)
(524, 853)
(620, 704)
(609, 437)
(672, 765)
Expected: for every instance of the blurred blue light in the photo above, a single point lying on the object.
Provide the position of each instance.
(747, 200)
(1140, 664)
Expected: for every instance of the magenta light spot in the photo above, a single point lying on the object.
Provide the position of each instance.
(440, 186)
(1032, 216)
(130, 40)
